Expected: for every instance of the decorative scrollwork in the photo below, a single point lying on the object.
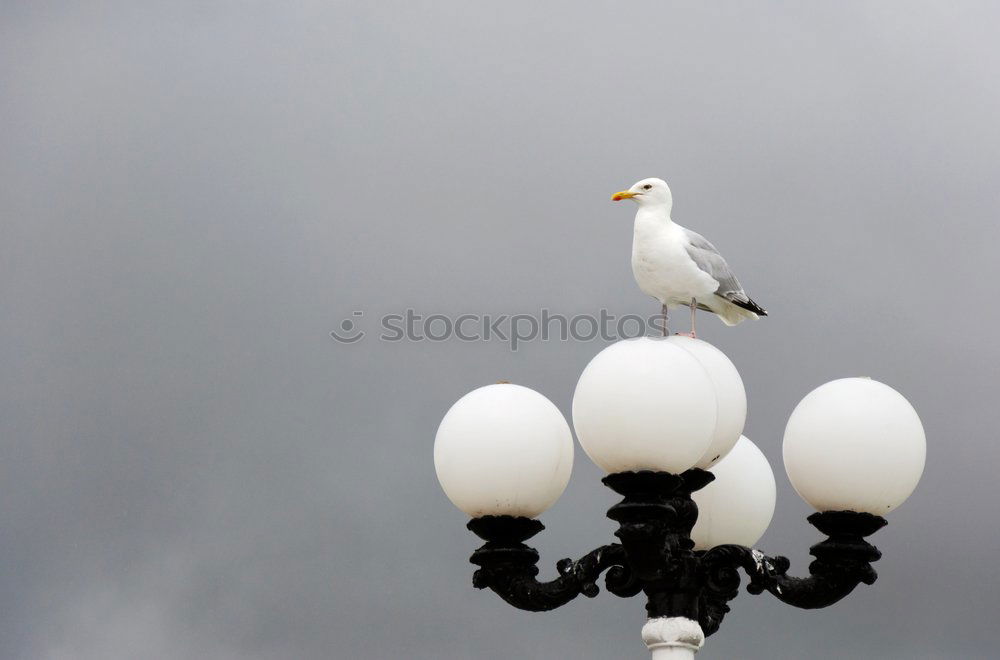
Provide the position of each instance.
(622, 582)
(721, 584)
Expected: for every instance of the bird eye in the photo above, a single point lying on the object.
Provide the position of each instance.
(648, 186)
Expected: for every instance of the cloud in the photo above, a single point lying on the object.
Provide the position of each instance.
(195, 196)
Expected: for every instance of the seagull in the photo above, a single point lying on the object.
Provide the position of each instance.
(680, 267)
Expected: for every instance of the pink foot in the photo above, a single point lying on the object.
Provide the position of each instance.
(687, 334)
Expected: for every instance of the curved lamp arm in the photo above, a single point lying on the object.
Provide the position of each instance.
(508, 567)
(843, 561)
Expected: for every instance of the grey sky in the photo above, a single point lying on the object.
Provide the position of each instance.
(194, 194)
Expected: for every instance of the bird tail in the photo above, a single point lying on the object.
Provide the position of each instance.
(736, 311)
(750, 306)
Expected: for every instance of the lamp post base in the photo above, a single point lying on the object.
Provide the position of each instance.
(673, 638)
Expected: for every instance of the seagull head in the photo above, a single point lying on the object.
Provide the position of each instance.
(648, 192)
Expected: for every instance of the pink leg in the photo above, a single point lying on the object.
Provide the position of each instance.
(694, 308)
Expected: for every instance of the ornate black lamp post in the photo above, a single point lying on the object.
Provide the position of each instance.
(688, 570)
(656, 556)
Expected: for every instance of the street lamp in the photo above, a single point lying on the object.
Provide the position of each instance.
(663, 417)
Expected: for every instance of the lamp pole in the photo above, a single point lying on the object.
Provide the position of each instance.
(686, 569)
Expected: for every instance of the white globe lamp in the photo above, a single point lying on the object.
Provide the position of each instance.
(854, 444)
(737, 507)
(731, 397)
(645, 404)
(503, 450)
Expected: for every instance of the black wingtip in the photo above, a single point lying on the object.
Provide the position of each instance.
(750, 306)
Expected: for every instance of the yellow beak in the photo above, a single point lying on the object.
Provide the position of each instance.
(619, 196)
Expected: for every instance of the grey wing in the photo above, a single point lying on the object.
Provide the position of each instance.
(709, 260)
